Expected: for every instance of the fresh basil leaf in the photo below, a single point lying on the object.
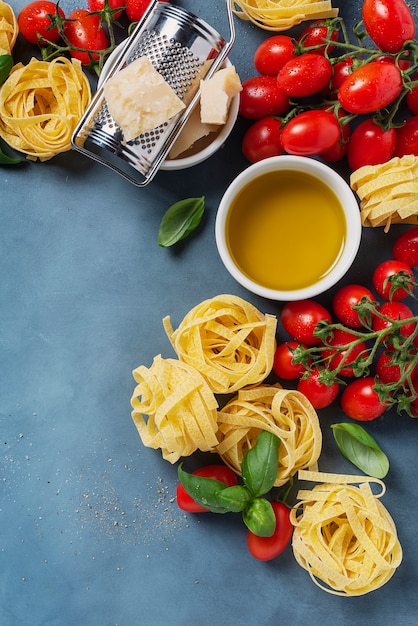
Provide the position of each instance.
(6, 160)
(204, 491)
(236, 498)
(180, 220)
(259, 517)
(356, 445)
(6, 64)
(260, 463)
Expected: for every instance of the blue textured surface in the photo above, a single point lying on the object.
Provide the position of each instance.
(90, 531)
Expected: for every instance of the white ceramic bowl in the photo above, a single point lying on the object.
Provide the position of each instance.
(206, 146)
(349, 214)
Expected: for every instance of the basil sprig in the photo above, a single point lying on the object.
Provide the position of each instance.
(356, 445)
(6, 64)
(180, 220)
(7, 160)
(259, 472)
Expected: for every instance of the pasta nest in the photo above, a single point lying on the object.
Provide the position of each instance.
(228, 340)
(180, 409)
(9, 29)
(279, 15)
(41, 104)
(286, 413)
(343, 535)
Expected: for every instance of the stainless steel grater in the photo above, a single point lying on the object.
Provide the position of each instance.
(184, 49)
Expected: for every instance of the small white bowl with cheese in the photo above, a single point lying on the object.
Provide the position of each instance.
(209, 124)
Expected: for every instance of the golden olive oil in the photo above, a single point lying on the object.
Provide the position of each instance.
(286, 230)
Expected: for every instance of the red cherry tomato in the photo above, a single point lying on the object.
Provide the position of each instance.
(405, 248)
(370, 145)
(339, 149)
(273, 53)
(386, 370)
(343, 356)
(340, 71)
(85, 31)
(311, 132)
(394, 311)
(34, 20)
(360, 401)
(283, 365)
(344, 300)
(384, 271)
(267, 548)
(315, 35)
(300, 317)
(304, 75)
(216, 472)
(262, 140)
(407, 138)
(135, 9)
(98, 5)
(319, 394)
(412, 97)
(370, 87)
(260, 97)
(389, 23)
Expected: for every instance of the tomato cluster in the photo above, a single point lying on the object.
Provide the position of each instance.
(86, 33)
(310, 91)
(345, 351)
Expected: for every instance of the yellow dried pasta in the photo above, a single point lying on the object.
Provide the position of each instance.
(8, 28)
(279, 15)
(285, 413)
(388, 192)
(179, 407)
(41, 104)
(343, 535)
(228, 340)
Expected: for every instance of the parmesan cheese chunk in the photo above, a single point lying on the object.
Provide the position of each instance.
(139, 99)
(192, 132)
(216, 94)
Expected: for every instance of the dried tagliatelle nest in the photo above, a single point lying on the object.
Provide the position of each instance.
(228, 340)
(388, 192)
(174, 409)
(343, 535)
(41, 104)
(278, 15)
(288, 414)
(8, 28)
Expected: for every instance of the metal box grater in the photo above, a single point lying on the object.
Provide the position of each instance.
(184, 49)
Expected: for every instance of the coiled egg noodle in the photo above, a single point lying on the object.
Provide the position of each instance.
(41, 104)
(343, 535)
(285, 413)
(9, 29)
(174, 409)
(228, 340)
(278, 15)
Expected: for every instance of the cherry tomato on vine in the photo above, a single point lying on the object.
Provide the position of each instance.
(389, 23)
(267, 548)
(339, 149)
(311, 132)
(370, 145)
(135, 9)
(383, 272)
(300, 317)
(405, 248)
(370, 87)
(344, 300)
(262, 140)
(407, 138)
(283, 365)
(98, 5)
(304, 75)
(315, 35)
(412, 97)
(216, 472)
(340, 71)
(34, 20)
(394, 311)
(360, 401)
(343, 356)
(273, 53)
(260, 97)
(386, 370)
(85, 31)
(319, 394)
